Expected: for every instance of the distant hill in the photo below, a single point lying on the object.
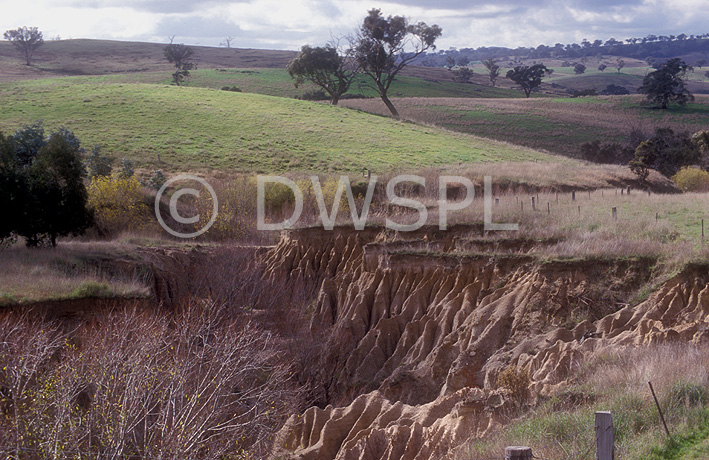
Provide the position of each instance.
(660, 47)
(100, 57)
(256, 71)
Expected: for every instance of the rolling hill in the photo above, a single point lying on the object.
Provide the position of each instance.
(203, 129)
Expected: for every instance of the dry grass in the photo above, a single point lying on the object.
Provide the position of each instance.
(616, 380)
(657, 225)
(72, 270)
(100, 57)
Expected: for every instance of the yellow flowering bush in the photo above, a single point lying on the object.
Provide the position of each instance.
(118, 204)
(692, 180)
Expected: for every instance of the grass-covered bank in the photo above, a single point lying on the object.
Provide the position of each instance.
(184, 128)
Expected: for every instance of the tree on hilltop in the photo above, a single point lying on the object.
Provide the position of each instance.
(381, 48)
(179, 55)
(26, 40)
(325, 67)
(528, 78)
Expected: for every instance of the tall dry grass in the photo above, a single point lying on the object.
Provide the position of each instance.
(72, 270)
(562, 426)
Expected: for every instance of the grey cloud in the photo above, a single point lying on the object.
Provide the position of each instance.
(151, 6)
(211, 32)
(196, 28)
(605, 5)
(457, 5)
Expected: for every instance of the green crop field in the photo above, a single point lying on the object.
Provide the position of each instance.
(205, 129)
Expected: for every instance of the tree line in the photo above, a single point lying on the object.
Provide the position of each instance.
(651, 46)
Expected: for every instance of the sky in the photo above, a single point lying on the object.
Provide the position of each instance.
(289, 24)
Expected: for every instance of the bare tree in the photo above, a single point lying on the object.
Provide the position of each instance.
(227, 42)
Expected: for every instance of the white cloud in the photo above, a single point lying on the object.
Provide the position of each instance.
(292, 23)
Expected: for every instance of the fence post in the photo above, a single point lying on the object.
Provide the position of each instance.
(534, 207)
(605, 436)
(518, 453)
(614, 211)
(573, 196)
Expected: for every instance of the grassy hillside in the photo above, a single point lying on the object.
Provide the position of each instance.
(255, 71)
(277, 82)
(558, 125)
(205, 129)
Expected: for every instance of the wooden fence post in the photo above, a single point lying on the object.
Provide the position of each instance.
(614, 211)
(534, 207)
(518, 453)
(573, 196)
(662, 417)
(605, 436)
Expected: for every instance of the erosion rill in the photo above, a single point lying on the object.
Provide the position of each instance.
(419, 326)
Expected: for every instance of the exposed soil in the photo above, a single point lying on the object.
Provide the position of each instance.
(414, 328)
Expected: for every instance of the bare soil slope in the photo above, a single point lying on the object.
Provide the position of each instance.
(419, 330)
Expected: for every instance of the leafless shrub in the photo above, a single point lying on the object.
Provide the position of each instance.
(199, 385)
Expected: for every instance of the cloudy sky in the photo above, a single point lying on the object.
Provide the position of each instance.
(288, 24)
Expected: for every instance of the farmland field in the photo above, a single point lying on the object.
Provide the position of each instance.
(557, 125)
